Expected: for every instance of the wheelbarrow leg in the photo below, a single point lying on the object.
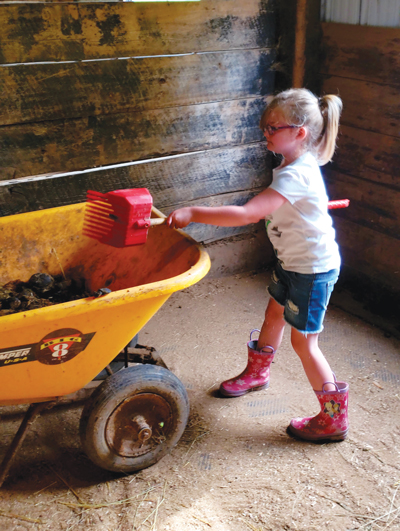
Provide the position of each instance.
(33, 412)
(142, 354)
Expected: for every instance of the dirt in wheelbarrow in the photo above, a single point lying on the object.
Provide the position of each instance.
(235, 468)
(43, 290)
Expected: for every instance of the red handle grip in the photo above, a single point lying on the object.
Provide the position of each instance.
(339, 203)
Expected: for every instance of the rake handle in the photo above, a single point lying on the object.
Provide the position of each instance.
(147, 223)
(339, 203)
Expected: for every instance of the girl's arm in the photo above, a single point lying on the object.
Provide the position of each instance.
(229, 216)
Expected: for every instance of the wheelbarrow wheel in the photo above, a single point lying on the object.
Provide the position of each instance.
(134, 418)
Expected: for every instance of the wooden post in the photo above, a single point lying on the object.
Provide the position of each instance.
(300, 44)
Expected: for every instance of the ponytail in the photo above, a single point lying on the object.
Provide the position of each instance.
(331, 108)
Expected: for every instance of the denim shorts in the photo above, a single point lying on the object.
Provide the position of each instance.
(305, 297)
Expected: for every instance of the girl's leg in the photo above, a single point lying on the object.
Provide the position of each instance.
(315, 365)
(260, 355)
(331, 423)
(273, 327)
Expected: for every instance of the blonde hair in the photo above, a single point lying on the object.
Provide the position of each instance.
(319, 115)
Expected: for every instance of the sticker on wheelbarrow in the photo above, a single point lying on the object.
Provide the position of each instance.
(55, 348)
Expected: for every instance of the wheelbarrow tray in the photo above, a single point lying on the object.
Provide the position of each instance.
(54, 351)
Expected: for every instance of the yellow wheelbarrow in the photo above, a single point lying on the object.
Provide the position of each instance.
(136, 415)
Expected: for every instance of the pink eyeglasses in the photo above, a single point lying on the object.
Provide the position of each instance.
(272, 130)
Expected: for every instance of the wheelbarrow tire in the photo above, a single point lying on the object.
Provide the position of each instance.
(134, 418)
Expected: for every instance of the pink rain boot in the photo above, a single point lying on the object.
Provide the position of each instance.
(255, 376)
(331, 424)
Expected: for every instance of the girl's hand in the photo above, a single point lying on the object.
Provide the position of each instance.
(180, 218)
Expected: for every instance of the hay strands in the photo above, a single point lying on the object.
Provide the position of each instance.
(21, 517)
(100, 505)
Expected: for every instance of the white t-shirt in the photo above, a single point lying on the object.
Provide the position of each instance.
(301, 229)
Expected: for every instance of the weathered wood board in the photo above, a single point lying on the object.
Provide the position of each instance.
(76, 144)
(112, 95)
(363, 66)
(77, 31)
(368, 155)
(360, 104)
(372, 253)
(36, 93)
(361, 52)
(372, 205)
(171, 181)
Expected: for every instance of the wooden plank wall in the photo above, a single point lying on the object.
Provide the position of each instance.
(108, 95)
(362, 64)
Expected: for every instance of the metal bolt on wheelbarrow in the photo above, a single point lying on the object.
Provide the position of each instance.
(136, 415)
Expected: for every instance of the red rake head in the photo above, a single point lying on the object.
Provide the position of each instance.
(113, 218)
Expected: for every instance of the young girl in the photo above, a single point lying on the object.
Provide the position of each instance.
(303, 129)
